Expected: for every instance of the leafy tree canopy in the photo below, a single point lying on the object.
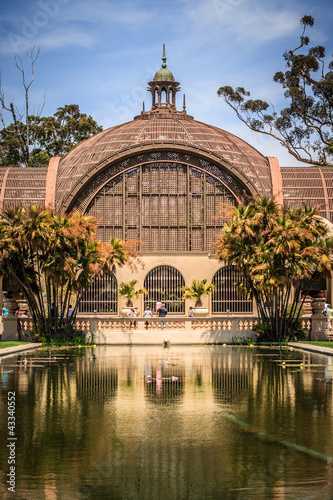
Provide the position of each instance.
(305, 126)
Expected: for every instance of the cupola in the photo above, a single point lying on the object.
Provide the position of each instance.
(163, 87)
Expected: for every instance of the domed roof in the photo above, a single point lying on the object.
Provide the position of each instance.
(163, 74)
(164, 129)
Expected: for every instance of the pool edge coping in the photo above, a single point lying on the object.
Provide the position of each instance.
(18, 348)
(312, 348)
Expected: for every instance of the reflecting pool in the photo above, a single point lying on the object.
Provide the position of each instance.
(152, 423)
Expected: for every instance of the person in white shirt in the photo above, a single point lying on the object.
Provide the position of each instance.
(147, 314)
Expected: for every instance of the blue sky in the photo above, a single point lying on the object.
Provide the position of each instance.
(101, 54)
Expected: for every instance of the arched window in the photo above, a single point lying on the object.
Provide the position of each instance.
(226, 297)
(164, 98)
(101, 296)
(164, 283)
(169, 206)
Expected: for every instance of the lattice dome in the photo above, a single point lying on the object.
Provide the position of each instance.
(169, 128)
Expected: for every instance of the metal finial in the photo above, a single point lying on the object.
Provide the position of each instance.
(184, 105)
(164, 57)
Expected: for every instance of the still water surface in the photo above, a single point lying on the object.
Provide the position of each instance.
(181, 423)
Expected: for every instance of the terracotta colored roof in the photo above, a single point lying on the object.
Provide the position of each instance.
(163, 128)
(22, 186)
(312, 186)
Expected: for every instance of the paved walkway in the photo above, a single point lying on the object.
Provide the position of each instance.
(18, 348)
(313, 348)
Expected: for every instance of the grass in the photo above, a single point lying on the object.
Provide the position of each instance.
(323, 343)
(11, 343)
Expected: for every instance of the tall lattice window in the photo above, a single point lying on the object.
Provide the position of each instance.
(169, 206)
(164, 283)
(226, 297)
(101, 296)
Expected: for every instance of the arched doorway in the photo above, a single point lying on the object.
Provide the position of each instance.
(226, 297)
(101, 296)
(164, 283)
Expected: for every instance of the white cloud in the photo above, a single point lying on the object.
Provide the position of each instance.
(254, 21)
(46, 39)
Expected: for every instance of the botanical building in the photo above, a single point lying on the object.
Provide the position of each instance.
(162, 178)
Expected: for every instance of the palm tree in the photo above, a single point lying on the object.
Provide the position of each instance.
(53, 258)
(128, 290)
(197, 290)
(274, 248)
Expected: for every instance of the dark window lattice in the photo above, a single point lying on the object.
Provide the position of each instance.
(164, 283)
(101, 296)
(226, 297)
(167, 206)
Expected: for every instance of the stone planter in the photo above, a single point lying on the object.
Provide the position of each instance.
(318, 320)
(23, 306)
(307, 307)
(125, 310)
(318, 306)
(200, 312)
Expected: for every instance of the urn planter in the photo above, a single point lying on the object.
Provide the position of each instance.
(200, 312)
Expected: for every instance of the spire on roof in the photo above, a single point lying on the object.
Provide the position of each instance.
(164, 65)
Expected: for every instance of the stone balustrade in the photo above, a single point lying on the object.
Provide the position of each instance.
(170, 323)
(106, 328)
(174, 323)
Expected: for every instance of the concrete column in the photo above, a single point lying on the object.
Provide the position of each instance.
(10, 321)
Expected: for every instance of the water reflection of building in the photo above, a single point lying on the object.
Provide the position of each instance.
(135, 442)
(164, 382)
(96, 381)
(231, 374)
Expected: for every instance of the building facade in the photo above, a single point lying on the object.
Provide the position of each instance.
(166, 179)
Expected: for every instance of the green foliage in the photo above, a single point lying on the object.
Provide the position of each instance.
(305, 126)
(128, 290)
(297, 311)
(274, 248)
(264, 332)
(197, 290)
(243, 341)
(73, 337)
(10, 343)
(58, 134)
(47, 136)
(323, 343)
